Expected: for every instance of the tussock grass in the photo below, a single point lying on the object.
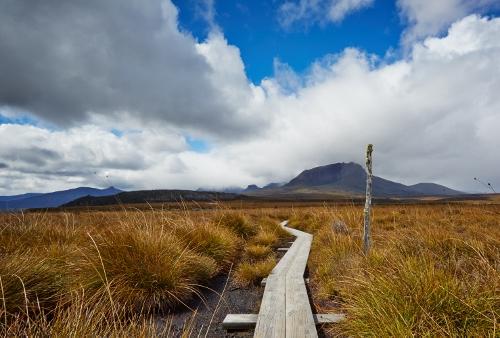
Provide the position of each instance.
(432, 271)
(143, 269)
(237, 223)
(254, 272)
(260, 258)
(108, 273)
(257, 252)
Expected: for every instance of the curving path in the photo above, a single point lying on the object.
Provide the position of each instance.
(285, 310)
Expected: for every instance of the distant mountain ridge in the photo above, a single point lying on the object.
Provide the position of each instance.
(52, 199)
(349, 178)
(155, 196)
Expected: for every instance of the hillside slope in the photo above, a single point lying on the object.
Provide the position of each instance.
(52, 199)
(155, 196)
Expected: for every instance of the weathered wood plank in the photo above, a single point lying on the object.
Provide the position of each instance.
(239, 321)
(285, 310)
(247, 321)
(271, 321)
(299, 316)
(264, 280)
(328, 318)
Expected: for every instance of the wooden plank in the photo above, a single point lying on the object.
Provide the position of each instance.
(271, 321)
(264, 280)
(285, 310)
(328, 318)
(239, 321)
(242, 321)
(299, 316)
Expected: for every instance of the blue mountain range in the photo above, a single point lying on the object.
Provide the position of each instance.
(51, 199)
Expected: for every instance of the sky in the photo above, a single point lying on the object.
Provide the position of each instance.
(216, 94)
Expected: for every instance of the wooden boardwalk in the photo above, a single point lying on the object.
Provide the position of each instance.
(285, 310)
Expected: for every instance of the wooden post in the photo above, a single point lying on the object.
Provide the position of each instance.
(368, 202)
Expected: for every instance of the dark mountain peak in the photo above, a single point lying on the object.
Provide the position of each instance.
(329, 174)
(252, 187)
(350, 178)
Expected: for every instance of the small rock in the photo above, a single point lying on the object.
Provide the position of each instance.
(340, 227)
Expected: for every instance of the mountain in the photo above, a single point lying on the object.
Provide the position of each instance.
(52, 199)
(251, 187)
(155, 196)
(349, 179)
(433, 189)
(18, 197)
(273, 185)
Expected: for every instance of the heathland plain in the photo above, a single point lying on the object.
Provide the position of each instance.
(433, 269)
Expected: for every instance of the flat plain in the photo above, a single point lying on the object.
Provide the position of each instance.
(433, 269)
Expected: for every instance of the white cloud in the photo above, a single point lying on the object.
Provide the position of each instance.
(430, 17)
(75, 62)
(432, 116)
(310, 12)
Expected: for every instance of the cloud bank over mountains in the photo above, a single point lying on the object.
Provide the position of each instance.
(84, 69)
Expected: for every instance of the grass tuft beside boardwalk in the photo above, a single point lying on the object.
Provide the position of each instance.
(432, 271)
(107, 273)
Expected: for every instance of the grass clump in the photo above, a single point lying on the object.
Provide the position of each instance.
(107, 273)
(219, 243)
(144, 269)
(257, 252)
(237, 223)
(411, 297)
(266, 239)
(253, 272)
(259, 258)
(430, 272)
(30, 283)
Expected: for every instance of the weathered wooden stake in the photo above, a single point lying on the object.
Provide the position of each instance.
(368, 203)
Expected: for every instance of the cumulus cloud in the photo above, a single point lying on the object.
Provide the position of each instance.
(68, 61)
(87, 154)
(429, 17)
(310, 12)
(433, 116)
(426, 114)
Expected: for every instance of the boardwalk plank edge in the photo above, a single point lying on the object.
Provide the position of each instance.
(241, 321)
(264, 281)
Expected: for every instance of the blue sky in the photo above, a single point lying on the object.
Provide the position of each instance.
(254, 28)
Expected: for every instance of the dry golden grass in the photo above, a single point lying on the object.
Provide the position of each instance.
(106, 273)
(432, 271)
(259, 258)
(254, 272)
